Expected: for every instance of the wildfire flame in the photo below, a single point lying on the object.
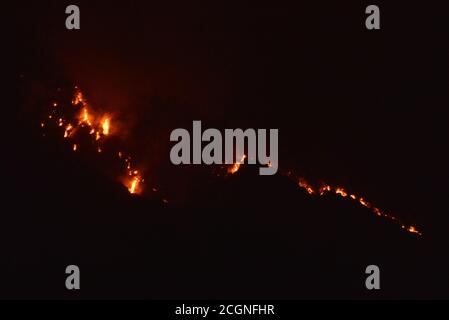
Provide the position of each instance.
(99, 127)
(303, 184)
(343, 193)
(106, 126)
(236, 166)
(339, 191)
(85, 118)
(133, 188)
(77, 99)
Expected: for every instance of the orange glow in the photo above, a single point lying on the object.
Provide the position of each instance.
(134, 185)
(377, 211)
(68, 129)
(99, 127)
(341, 192)
(303, 184)
(364, 203)
(106, 126)
(412, 229)
(236, 166)
(78, 98)
(84, 117)
(325, 188)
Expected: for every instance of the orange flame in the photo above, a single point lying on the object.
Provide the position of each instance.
(303, 184)
(134, 185)
(67, 131)
(84, 117)
(413, 230)
(102, 129)
(341, 192)
(236, 166)
(99, 127)
(78, 98)
(106, 125)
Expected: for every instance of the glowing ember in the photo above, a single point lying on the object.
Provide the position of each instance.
(133, 188)
(363, 202)
(78, 98)
(324, 189)
(68, 129)
(106, 126)
(303, 184)
(236, 166)
(413, 230)
(85, 118)
(341, 192)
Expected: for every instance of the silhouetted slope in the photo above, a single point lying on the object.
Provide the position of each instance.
(244, 236)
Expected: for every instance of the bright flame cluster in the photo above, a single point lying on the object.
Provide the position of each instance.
(99, 127)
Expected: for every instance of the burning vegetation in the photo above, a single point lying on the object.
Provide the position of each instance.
(236, 166)
(78, 118)
(325, 189)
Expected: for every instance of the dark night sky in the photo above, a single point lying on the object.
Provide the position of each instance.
(367, 110)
